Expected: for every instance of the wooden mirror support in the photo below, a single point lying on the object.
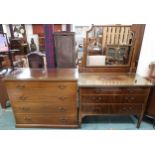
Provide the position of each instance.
(117, 38)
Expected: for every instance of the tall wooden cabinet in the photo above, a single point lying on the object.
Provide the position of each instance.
(65, 49)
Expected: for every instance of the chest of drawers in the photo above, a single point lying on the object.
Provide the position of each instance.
(111, 97)
(44, 101)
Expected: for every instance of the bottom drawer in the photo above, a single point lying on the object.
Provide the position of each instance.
(45, 119)
(111, 109)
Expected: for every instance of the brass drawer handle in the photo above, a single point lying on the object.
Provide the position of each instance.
(27, 118)
(63, 120)
(98, 90)
(61, 86)
(61, 109)
(98, 98)
(130, 90)
(23, 98)
(132, 98)
(126, 98)
(20, 86)
(62, 98)
(24, 108)
(124, 108)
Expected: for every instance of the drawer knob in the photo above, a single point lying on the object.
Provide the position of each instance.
(62, 87)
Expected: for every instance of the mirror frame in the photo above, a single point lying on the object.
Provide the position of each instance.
(138, 30)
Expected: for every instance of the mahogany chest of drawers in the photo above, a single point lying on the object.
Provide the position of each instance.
(121, 94)
(43, 98)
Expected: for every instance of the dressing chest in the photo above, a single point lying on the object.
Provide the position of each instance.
(43, 98)
(108, 83)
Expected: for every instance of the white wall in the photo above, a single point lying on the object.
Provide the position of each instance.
(29, 33)
(6, 30)
(147, 54)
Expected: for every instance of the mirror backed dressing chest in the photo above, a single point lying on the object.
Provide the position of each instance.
(108, 83)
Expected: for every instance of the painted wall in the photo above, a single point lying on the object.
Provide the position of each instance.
(29, 33)
(147, 54)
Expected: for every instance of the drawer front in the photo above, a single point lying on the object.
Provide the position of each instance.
(45, 108)
(113, 99)
(115, 90)
(45, 119)
(126, 108)
(41, 88)
(42, 99)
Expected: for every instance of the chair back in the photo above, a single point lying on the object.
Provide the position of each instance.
(36, 60)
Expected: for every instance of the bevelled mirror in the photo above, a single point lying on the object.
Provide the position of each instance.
(112, 47)
(109, 45)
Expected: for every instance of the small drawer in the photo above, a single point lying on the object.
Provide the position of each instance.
(113, 99)
(46, 119)
(115, 90)
(41, 88)
(125, 108)
(27, 98)
(45, 108)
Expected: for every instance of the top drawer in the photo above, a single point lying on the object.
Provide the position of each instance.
(55, 88)
(115, 90)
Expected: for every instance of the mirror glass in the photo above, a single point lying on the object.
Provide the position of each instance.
(109, 45)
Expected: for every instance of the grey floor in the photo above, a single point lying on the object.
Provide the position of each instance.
(7, 122)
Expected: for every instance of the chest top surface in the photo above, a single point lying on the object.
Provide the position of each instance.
(43, 75)
(111, 80)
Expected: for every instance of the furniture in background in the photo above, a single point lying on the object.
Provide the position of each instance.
(65, 49)
(19, 46)
(112, 87)
(39, 30)
(3, 92)
(150, 110)
(36, 60)
(43, 98)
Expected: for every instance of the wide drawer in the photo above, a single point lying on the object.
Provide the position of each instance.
(113, 99)
(126, 108)
(45, 119)
(45, 108)
(115, 90)
(41, 88)
(27, 98)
